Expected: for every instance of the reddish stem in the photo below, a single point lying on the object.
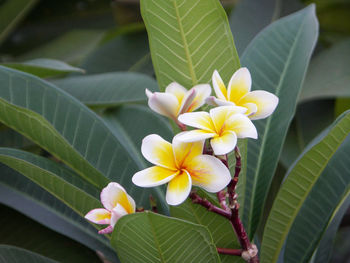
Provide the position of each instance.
(229, 251)
(196, 199)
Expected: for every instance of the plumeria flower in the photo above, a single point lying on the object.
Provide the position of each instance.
(181, 165)
(259, 103)
(176, 99)
(223, 124)
(117, 203)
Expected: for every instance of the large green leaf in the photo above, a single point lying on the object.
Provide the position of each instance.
(69, 130)
(11, 254)
(108, 89)
(43, 67)
(57, 180)
(277, 59)
(149, 238)
(27, 197)
(331, 188)
(218, 226)
(329, 73)
(301, 179)
(189, 40)
(18, 230)
(11, 13)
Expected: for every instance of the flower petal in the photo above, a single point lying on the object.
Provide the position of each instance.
(177, 90)
(200, 120)
(99, 216)
(209, 173)
(194, 135)
(265, 101)
(185, 152)
(242, 126)
(117, 212)
(107, 230)
(239, 85)
(114, 194)
(224, 144)
(158, 151)
(220, 115)
(178, 189)
(187, 101)
(213, 101)
(219, 86)
(202, 92)
(252, 108)
(164, 103)
(153, 176)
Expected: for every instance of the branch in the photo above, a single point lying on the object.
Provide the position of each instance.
(196, 199)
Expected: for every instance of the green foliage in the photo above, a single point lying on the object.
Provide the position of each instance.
(300, 181)
(148, 237)
(43, 241)
(277, 59)
(108, 89)
(188, 41)
(11, 254)
(43, 67)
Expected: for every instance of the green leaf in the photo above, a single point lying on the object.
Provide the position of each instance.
(70, 131)
(11, 254)
(244, 28)
(328, 74)
(189, 40)
(301, 178)
(11, 13)
(148, 238)
(43, 67)
(108, 89)
(329, 191)
(125, 123)
(70, 47)
(127, 52)
(324, 251)
(27, 197)
(219, 227)
(277, 59)
(18, 230)
(11, 138)
(57, 180)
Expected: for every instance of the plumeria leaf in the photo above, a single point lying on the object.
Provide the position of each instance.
(55, 179)
(22, 194)
(11, 254)
(304, 177)
(108, 89)
(277, 60)
(331, 190)
(70, 131)
(44, 67)
(218, 226)
(19, 230)
(188, 41)
(148, 237)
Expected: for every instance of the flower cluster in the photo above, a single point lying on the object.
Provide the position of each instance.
(183, 162)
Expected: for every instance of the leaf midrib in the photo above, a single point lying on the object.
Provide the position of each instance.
(268, 124)
(187, 51)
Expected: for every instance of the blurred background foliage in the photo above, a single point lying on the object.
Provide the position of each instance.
(107, 36)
